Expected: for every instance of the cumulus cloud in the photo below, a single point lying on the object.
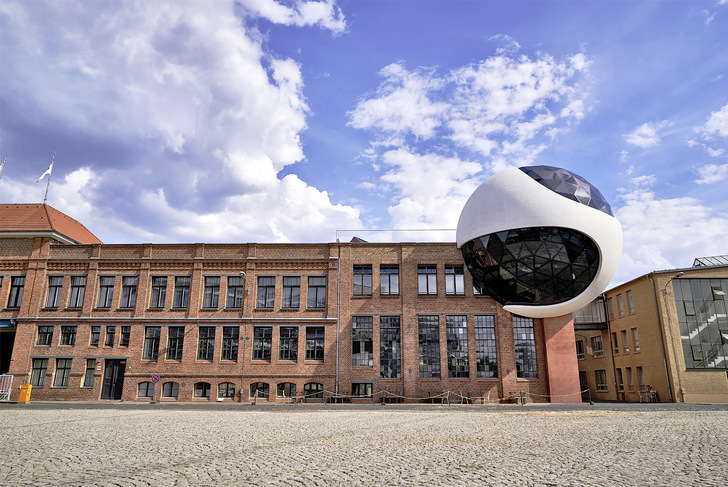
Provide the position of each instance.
(712, 173)
(665, 233)
(173, 108)
(503, 110)
(717, 123)
(301, 13)
(647, 134)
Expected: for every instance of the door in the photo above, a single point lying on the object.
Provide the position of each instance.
(113, 379)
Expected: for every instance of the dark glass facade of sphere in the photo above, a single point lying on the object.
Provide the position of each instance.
(569, 185)
(532, 266)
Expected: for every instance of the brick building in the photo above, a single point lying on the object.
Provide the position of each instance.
(84, 320)
(661, 336)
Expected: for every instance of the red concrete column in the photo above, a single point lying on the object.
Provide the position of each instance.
(562, 368)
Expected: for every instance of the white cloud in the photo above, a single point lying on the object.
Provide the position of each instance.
(646, 135)
(207, 116)
(301, 13)
(503, 111)
(717, 123)
(712, 173)
(665, 233)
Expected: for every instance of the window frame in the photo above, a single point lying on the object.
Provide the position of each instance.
(170, 389)
(580, 349)
(230, 339)
(362, 341)
(151, 342)
(88, 376)
(125, 335)
(291, 293)
(428, 339)
(266, 292)
(597, 351)
(15, 298)
(39, 369)
(77, 292)
(235, 287)
(106, 292)
(62, 375)
(316, 298)
(95, 336)
(288, 343)
(128, 292)
(362, 280)
(389, 279)
(68, 335)
(211, 292)
(262, 343)
(148, 388)
(315, 343)
(390, 347)
(526, 359)
(226, 390)
(456, 334)
(181, 298)
(55, 288)
(158, 293)
(110, 336)
(600, 379)
(427, 279)
(175, 343)
(201, 390)
(205, 343)
(45, 335)
(454, 280)
(486, 346)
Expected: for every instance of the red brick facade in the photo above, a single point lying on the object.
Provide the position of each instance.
(39, 258)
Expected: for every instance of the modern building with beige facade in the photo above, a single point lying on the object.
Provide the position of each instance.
(660, 337)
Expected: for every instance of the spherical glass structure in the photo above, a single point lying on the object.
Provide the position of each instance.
(541, 240)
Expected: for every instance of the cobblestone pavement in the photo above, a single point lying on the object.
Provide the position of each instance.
(390, 445)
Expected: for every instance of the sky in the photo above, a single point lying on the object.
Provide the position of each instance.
(300, 121)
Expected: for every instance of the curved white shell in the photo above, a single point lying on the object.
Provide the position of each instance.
(511, 199)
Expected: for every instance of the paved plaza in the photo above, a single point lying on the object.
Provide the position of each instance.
(143, 444)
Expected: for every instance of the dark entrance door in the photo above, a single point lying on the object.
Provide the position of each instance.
(113, 379)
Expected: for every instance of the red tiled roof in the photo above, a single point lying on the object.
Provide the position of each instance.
(43, 218)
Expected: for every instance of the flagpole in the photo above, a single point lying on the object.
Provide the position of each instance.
(2, 168)
(45, 198)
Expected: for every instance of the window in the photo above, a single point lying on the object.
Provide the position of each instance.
(125, 333)
(262, 342)
(128, 291)
(596, 343)
(313, 390)
(45, 335)
(291, 292)
(525, 345)
(620, 305)
(615, 343)
(206, 343)
(110, 335)
(389, 280)
(600, 376)
(88, 376)
(106, 291)
(429, 345)
(610, 308)
(230, 337)
(159, 292)
(170, 389)
(17, 283)
(175, 342)
(362, 280)
(95, 335)
(288, 348)
(630, 302)
(641, 378)
(427, 279)
(266, 292)
(211, 294)
(286, 389)
(635, 340)
(78, 286)
(63, 372)
(151, 342)
(181, 292)
(625, 342)
(620, 380)
(630, 379)
(37, 375)
(235, 292)
(454, 279)
(55, 284)
(361, 389)
(259, 389)
(390, 355)
(456, 328)
(316, 292)
(485, 346)
(146, 389)
(362, 341)
(202, 389)
(580, 349)
(68, 335)
(315, 343)
(226, 390)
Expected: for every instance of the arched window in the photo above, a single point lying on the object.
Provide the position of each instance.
(226, 389)
(313, 390)
(146, 389)
(286, 389)
(170, 389)
(202, 389)
(261, 388)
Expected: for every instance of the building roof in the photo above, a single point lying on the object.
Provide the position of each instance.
(710, 261)
(28, 220)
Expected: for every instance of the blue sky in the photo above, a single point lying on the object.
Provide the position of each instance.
(265, 121)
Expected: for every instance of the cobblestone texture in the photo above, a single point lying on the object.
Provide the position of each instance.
(391, 445)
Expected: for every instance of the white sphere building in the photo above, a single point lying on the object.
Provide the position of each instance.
(539, 239)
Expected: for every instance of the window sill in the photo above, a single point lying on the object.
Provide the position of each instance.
(102, 309)
(265, 309)
(208, 310)
(311, 361)
(455, 295)
(232, 309)
(361, 296)
(290, 309)
(178, 308)
(45, 308)
(316, 309)
(72, 308)
(155, 309)
(59, 387)
(427, 295)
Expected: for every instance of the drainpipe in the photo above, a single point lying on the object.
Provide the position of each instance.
(611, 345)
(338, 310)
(662, 339)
